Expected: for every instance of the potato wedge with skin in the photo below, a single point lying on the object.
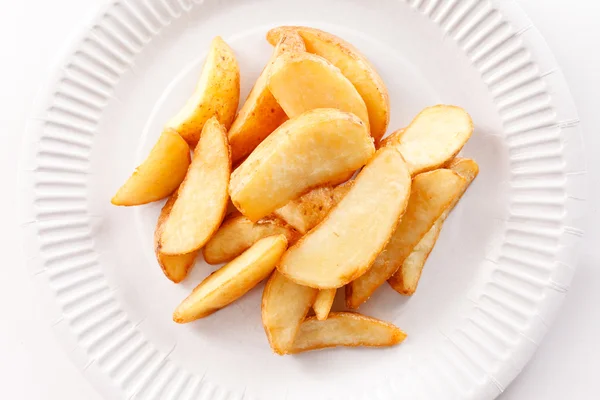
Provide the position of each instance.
(431, 193)
(238, 233)
(233, 280)
(175, 267)
(284, 307)
(305, 212)
(159, 175)
(217, 94)
(406, 279)
(302, 82)
(343, 246)
(316, 148)
(323, 303)
(353, 65)
(202, 197)
(433, 138)
(345, 329)
(261, 114)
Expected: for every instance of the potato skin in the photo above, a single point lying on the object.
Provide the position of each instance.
(261, 114)
(353, 65)
(217, 94)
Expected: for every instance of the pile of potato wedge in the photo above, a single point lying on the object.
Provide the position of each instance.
(300, 188)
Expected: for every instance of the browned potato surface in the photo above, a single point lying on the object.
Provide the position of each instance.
(232, 281)
(316, 148)
(159, 175)
(261, 114)
(217, 94)
(202, 197)
(353, 65)
(345, 329)
(344, 245)
(284, 307)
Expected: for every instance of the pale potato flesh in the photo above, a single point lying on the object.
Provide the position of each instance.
(353, 65)
(284, 307)
(238, 233)
(159, 175)
(406, 279)
(431, 193)
(305, 212)
(433, 138)
(202, 197)
(233, 280)
(345, 329)
(343, 246)
(302, 82)
(175, 267)
(217, 94)
(261, 114)
(316, 148)
(392, 139)
(323, 303)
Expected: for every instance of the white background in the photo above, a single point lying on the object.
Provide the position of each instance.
(32, 366)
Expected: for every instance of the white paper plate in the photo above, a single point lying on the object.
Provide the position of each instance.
(489, 291)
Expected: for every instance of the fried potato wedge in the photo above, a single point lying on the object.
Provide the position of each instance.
(406, 281)
(302, 82)
(323, 303)
(284, 307)
(353, 65)
(261, 114)
(202, 197)
(433, 138)
(343, 246)
(217, 94)
(305, 212)
(233, 280)
(316, 148)
(175, 267)
(345, 329)
(431, 193)
(238, 233)
(159, 175)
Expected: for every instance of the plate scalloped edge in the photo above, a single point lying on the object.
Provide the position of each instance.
(494, 343)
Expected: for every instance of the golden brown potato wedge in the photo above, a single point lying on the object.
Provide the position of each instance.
(217, 94)
(433, 138)
(313, 149)
(353, 65)
(284, 307)
(160, 173)
(323, 303)
(238, 233)
(232, 281)
(302, 82)
(345, 329)
(431, 193)
(175, 267)
(305, 212)
(261, 114)
(343, 246)
(406, 279)
(202, 197)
